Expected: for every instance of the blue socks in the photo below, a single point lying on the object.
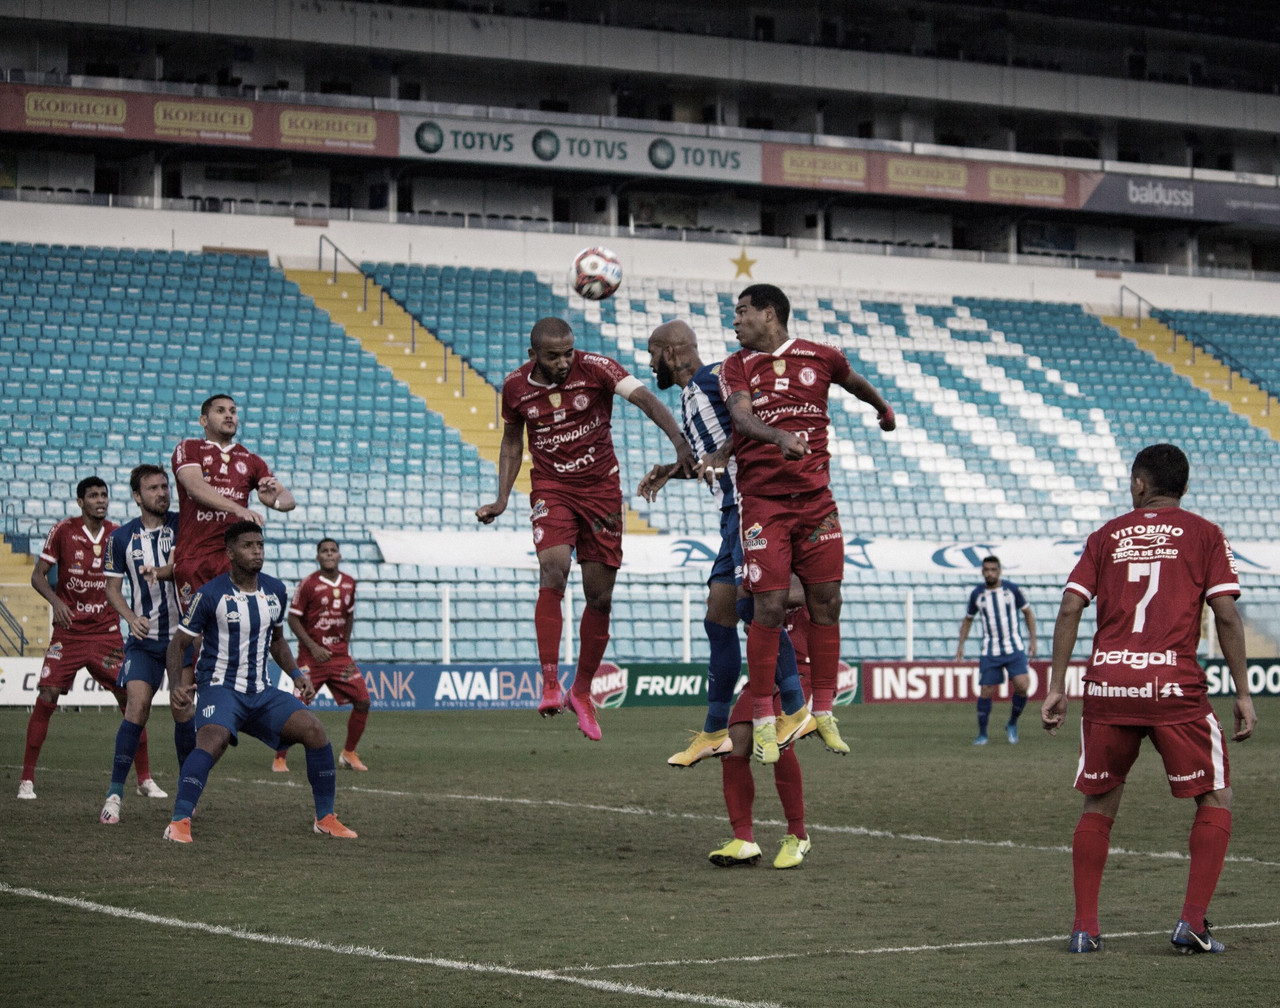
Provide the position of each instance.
(787, 676)
(984, 713)
(184, 739)
(126, 747)
(723, 670)
(1019, 702)
(192, 778)
(323, 778)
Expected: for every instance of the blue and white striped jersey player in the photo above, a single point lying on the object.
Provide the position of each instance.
(141, 552)
(240, 616)
(998, 602)
(704, 419)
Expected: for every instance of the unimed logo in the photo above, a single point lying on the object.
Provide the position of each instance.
(1158, 194)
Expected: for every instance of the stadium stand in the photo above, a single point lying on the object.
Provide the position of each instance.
(1017, 418)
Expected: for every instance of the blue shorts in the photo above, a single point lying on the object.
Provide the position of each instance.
(144, 660)
(728, 566)
(992, 668)
(261, 715)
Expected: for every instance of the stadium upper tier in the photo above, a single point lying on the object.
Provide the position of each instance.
(1015, 419)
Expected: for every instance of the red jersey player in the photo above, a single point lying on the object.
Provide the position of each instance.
(776, 389)
(86, 630)
(564, 398)
(320, 616)
(1152, 571)
(735, 767)
(215, 476)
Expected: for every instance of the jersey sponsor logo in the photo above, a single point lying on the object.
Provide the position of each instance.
(1136, 660)
(1147, 691)
(782, 384)
(540, 510)
(582, 462)
(1170, 690)
(1183, 778)
(754, 531)
(1146, 535)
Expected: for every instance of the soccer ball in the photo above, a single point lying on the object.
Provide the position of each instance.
(595, 273)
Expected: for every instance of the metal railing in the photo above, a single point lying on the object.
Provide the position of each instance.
(1199, 345)
(11, 632)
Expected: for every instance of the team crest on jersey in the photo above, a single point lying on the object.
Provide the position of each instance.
(581, 402)
(273, 607)
(206, 712)
(808, 375)
(779, 368)
(538, 533)
(241, 468)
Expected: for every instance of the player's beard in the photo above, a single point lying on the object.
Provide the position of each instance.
(666, 377)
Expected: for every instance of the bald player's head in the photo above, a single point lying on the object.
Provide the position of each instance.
(673, 349)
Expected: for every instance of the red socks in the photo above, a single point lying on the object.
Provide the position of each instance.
(824, 661)
(548, 625)
(786, 778)
(355, 728)
(762, 662)
(593, 637)
(739, 795)
(37, 732)
(1210, 834)
(1089, 849)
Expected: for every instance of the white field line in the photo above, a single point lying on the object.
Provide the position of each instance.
(899, 949)
(365, 952)
(858, 831)
(636, 810)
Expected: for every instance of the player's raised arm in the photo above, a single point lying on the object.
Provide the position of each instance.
(510, 458)
(631, 389)
(862, 389)
(199, 490)
(275, 494)
(747, 424)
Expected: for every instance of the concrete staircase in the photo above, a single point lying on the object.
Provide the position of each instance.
(445, 382)
(22, 602)
(1204, 370)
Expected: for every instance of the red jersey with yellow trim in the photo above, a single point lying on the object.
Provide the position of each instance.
(325, 605)
(1151, 571)
(788, 390)
(569, 425)
(80, 557)
(233, 472)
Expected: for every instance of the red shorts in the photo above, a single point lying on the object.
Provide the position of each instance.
(101, 654)
(591, 523)
(342, 676)
(1194, 754)
(190, 575)
(784, 534)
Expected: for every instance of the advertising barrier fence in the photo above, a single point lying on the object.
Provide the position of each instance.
(517, 685)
